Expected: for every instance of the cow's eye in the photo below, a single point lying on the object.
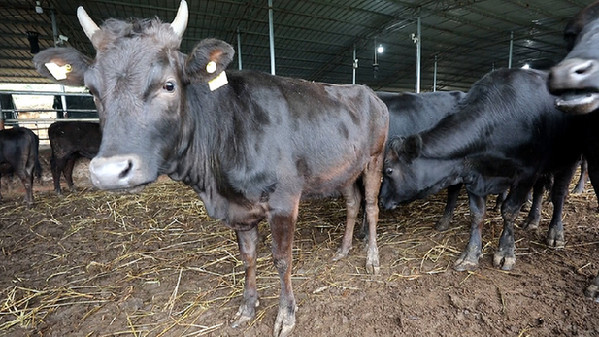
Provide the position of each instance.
(169, 86)
(388, 171)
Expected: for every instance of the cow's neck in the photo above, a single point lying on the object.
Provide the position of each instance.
(435, 175)
(207, 139)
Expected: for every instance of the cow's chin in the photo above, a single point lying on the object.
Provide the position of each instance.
(578, 102)
(129, 190)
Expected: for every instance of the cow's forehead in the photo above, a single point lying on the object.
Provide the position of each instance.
(133, 61)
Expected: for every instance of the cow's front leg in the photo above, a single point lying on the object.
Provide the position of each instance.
(534, 214)
(247, 241)
(505, 256)
(282, 228)
(468, 260)
(372, 179)
(559, 191)
(453, 191)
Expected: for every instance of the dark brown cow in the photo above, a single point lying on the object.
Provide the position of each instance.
(70, 141)
(251, 145)
(576, 80)
(19, 154)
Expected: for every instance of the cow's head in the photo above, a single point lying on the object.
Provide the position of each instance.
(576, 78)
(400, 171)
(138, 80)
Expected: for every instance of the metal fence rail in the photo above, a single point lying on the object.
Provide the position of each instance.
(40, 125)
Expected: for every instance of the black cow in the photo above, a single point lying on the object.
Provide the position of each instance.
(250, 144)
(576, 80)
(505, 134)
(19, 153)
(70, 141)
(411, 113)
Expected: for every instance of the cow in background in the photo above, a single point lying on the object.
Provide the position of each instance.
(411, 113)
(19, 154)
(250, 144)
(505, 134)
(70, 141)
(576, 81)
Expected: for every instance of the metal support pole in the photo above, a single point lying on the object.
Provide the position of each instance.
(354, 66)
(63, 99)
(511, 49)
(271, 34)
(435, 75)
(239, 49)
(418, 55)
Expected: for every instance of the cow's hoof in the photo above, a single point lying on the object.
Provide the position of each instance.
(284, 323)
(340, 254)
(372, 260)
(373, 268)
(245, 313)
(504, 261)
(531, 224)
(592, 292)
(442, 225)
(556, 241)
(463, 263)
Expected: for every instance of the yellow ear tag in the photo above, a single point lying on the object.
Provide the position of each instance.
(211, 67)
(58, 72)
(218, 81)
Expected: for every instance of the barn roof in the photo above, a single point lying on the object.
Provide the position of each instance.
(315, 39)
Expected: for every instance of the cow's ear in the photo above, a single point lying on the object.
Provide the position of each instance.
(62, 65)
(412, 146)
(208, 59)
(406, 147)
(395, 145)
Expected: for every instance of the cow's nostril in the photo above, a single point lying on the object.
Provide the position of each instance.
(126, 170)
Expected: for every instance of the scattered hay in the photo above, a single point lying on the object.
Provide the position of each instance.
(105, 254)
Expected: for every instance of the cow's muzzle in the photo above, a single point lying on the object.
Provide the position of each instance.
(119, 172)
(576, 82)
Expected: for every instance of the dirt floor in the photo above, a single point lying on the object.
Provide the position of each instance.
(93, 263)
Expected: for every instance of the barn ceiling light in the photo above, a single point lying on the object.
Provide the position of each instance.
(380, 49)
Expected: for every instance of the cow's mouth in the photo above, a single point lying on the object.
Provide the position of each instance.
(130, 190)
(578, 102)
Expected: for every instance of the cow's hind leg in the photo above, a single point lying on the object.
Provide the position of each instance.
(559, 191)
(56, 166)
(282, 226)
(372, 177)
(505, 257)
(67, 172)
(247, 241)
(468, 260)
(353, 199)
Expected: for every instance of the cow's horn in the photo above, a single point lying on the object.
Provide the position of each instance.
(89, 26)
(180, 21)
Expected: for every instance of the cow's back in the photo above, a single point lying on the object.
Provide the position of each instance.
(268, 130)
(508, 112)
(411, 113)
